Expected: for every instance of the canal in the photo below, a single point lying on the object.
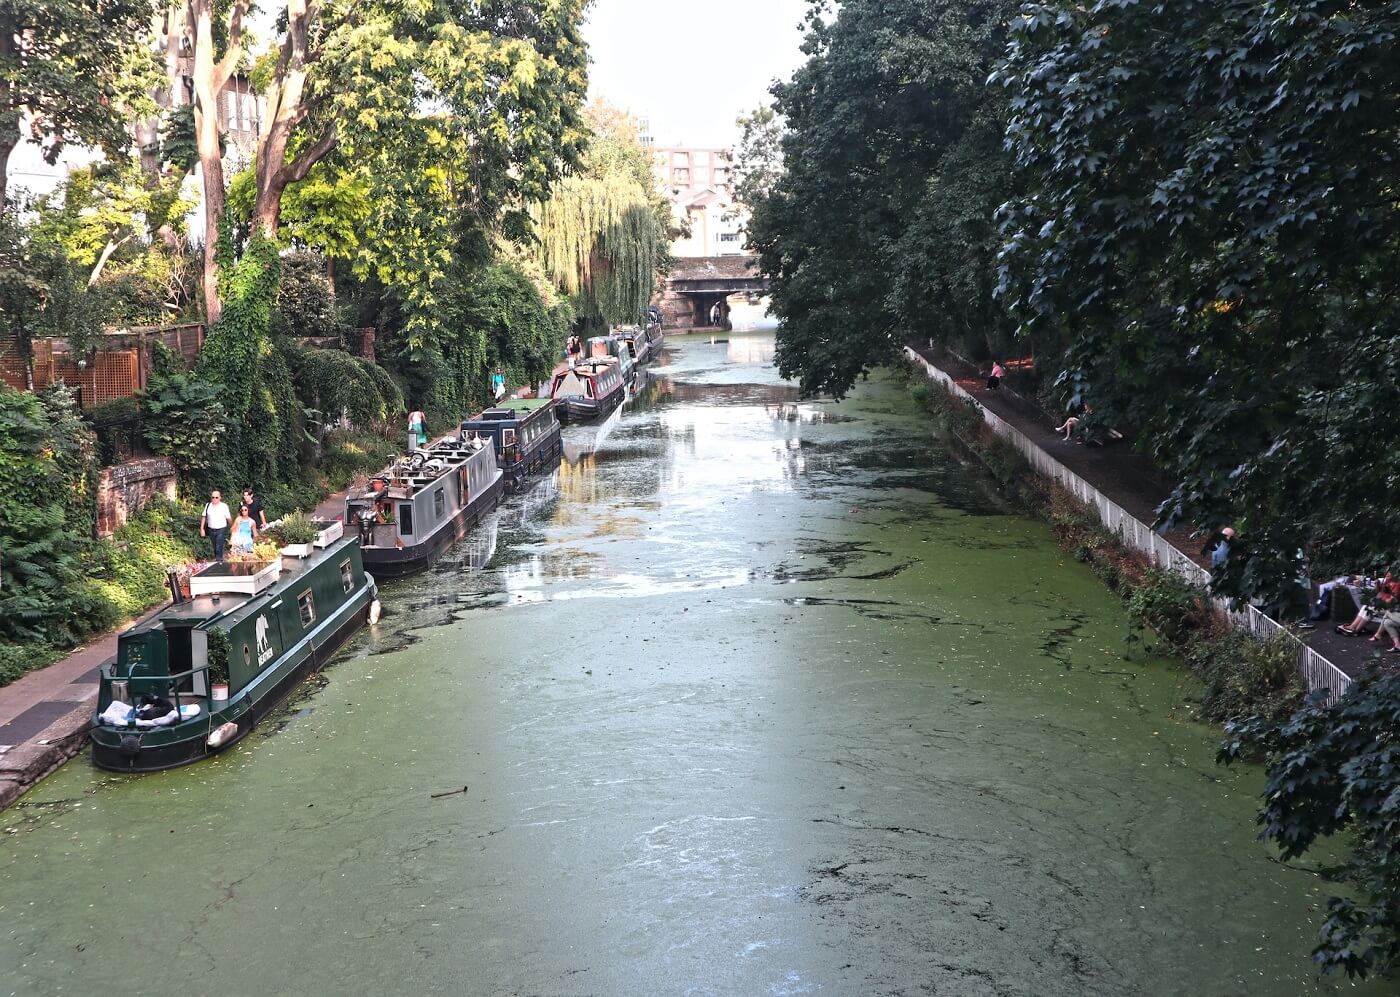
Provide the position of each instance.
(754, 697)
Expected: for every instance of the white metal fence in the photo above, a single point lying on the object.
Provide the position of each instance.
(1317, 671)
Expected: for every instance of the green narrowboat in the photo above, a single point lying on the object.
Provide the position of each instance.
(202, 673)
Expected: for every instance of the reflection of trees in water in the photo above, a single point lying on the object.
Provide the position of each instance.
(533, 502)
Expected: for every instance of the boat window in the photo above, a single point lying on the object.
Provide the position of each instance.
(308, 608)
(439, 504)
(508, 437)
(406, 518)
(347, 576)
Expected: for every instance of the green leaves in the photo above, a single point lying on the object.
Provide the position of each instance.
(879, 229)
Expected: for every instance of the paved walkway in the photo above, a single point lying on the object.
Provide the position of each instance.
(1135, 483)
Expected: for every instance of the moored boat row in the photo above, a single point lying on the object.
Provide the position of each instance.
(199, 675)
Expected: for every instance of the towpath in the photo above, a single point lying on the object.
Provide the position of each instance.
(1130, 479)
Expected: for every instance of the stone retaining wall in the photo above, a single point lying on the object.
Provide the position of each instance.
(125, 489)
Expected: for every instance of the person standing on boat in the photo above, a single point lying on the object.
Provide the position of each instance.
(213, 523)
(245, 531)
(417, 430)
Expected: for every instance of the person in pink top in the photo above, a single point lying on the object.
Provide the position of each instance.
(998, 372)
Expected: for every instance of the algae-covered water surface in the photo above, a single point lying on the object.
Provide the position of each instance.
(752, 697)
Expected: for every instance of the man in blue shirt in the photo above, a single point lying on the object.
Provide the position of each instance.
(1222, 550)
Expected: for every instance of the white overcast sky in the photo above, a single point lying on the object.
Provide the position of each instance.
(692, 67)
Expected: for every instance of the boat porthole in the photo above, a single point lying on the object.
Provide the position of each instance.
(247, 656)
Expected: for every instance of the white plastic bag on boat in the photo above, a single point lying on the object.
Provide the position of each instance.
(117, 714)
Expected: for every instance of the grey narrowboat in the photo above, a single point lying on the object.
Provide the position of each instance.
(525, 437)
(422, 504)
(201, 674)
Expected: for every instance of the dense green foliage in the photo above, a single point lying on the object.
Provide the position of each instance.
(1332, 771)
(47, 471)
(339, 388)
(880, 227)
(69, 65)
(182, 419)
(1209, 231)
(263, 430)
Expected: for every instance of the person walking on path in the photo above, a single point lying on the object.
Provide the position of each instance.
(245, 531)
(998, 372)
(575, 350)
(417, 430)
(255, 509)
(1222, 550)
(213, 523)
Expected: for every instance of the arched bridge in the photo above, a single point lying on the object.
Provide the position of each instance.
(696, 292)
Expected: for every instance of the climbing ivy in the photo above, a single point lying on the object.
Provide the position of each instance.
(339, 386)
(260, 446)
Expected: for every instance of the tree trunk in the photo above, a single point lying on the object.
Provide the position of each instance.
(287, 108)
(209, 80)
(9, 117)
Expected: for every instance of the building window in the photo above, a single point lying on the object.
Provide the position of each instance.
(347, 576)
(680, 176)
(307, 606)
(729, 237)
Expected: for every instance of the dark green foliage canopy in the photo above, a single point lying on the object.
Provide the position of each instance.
(1210, 227)
(880, 227)
(1333, 770)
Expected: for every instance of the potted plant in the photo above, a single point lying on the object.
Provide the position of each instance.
(217, 650)
(296, 533)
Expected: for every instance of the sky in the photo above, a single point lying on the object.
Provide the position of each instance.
(694, 66)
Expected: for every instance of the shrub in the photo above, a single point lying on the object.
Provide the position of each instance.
(18, 660)
(305, 300)
(1170, 607)
(295, 528)
(1242, 676)
(184, 420)
(117, 425)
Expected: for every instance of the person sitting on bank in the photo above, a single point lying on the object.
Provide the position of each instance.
(1221, 554)
(245, 531)
(998, 372)
(1384, 599)
(255, 508)
(214, 521)
(1068, 427)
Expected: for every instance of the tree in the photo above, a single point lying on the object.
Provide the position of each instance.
(1335, 770)
(604, 232)
(1209, 230)
(469, 105)
(69, 69)
(758, 159)
(871, 234)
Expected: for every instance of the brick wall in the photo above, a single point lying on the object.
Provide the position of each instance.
(125, 489)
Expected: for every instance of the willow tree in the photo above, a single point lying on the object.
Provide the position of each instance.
(604, 232)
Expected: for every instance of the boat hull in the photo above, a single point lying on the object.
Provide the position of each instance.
(541, 460)
(389, 563)
(579, 410)
(124, 750)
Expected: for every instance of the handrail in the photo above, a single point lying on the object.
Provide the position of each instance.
(1317, 671)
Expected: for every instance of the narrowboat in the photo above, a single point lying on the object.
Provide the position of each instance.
(422, 504)
(524, 437)
(637, 344)
(201, 674)
(588, 390)
(655, 338)
(603, 347)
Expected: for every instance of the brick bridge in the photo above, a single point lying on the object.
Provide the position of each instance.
(700, 283)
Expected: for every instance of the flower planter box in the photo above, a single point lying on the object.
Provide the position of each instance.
(241, 577)
(298, 550)
(329, 532)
